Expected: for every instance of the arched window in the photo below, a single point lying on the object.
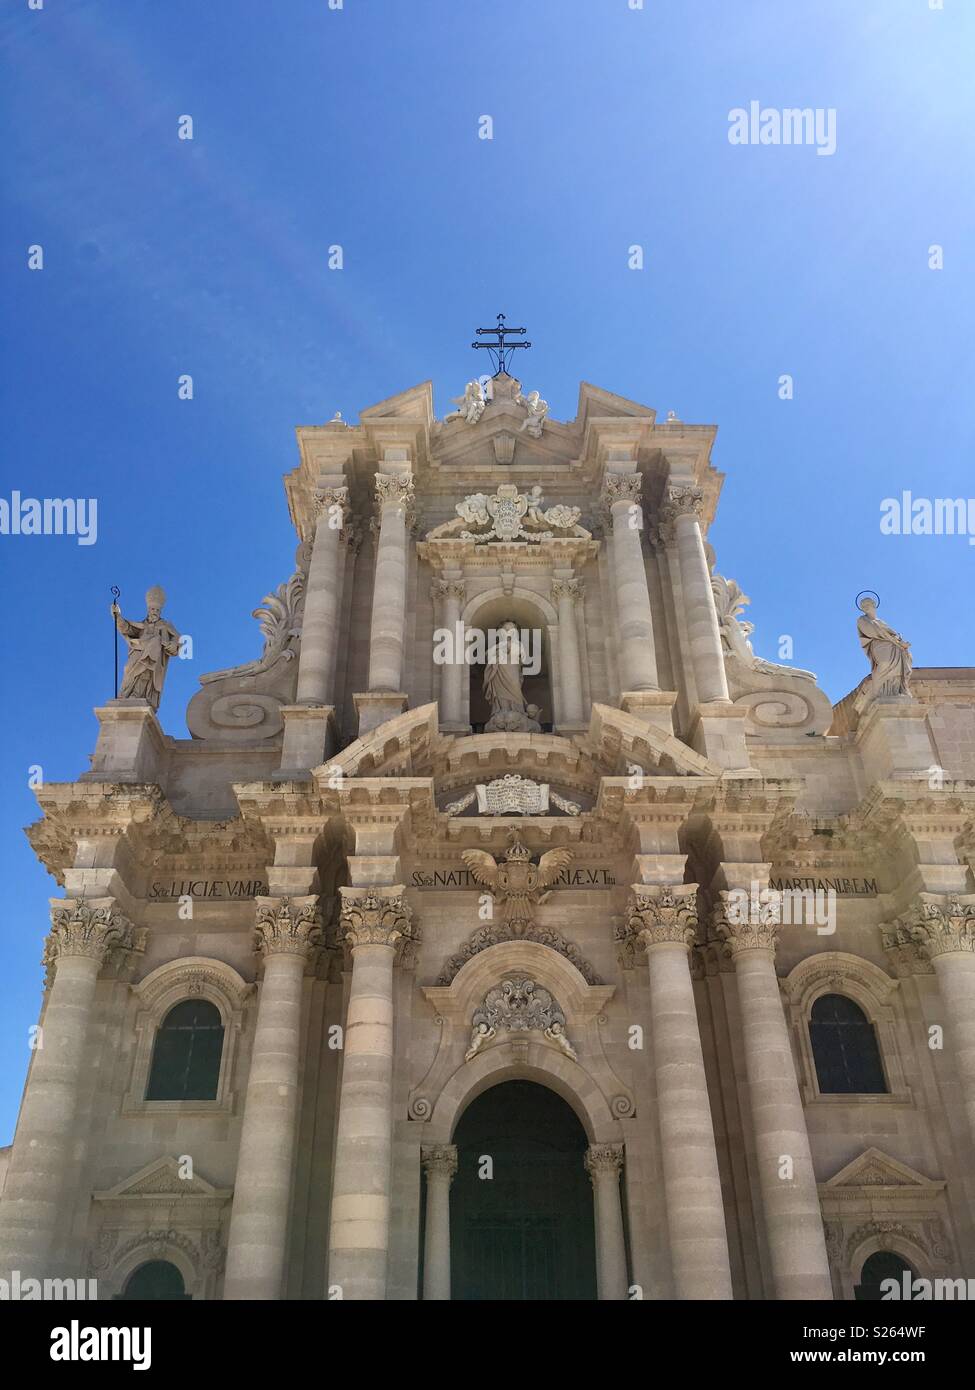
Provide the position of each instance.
(187, 1052)
(845, 1049)
(157, 1281)
(881, 1265)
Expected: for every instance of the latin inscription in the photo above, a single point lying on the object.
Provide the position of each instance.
(842, 887)
(207, 888)
(463, 878)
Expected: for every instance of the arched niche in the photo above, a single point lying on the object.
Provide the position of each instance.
(530, 611)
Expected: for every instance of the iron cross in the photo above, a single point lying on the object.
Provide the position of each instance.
(500, 351)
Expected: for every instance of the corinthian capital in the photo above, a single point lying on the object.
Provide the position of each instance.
(396, 490)
(941, 924)
(448, 588)
(86, 929)
(375, 916)
(288, 926)
(683, 501)
(574, 589)
(604, 1159)
(439, 1160)
(745, 923)
(332, 503)
(663, 916)
(621, 487)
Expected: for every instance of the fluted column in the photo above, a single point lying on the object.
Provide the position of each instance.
(394, 497)
(451, 593)
(604, 1163)
(287, 929)
(665, 921)
(373, 922)
(790, 1201)
(34, 1209)
(684, 507)
(622, 492)
(440, 1165)
(323, 594)
(943, 926)
(565, 593)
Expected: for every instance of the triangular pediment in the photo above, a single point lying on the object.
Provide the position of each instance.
(161, 1178)
(874, 1168)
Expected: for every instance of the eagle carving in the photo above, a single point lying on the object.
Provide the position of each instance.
(516, 883)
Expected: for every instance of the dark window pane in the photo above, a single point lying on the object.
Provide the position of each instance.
(845, 1050)
(186, 1056)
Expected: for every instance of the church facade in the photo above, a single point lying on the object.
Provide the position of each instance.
(507, 928)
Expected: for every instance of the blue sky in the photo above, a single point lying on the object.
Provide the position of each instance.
(359, 127)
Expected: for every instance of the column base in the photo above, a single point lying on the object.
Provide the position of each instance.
(375, 707)
(309, 740)
(131, 745)
(656, 707)
(718, 731)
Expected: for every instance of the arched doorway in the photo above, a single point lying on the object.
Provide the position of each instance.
(155, 1281)
(881, 1265)
(521, 1209)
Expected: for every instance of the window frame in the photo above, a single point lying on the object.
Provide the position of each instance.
(875, 993)
(192, 977)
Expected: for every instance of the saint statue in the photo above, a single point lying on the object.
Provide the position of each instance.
(151, 643)
(502, 685)
(888, 653)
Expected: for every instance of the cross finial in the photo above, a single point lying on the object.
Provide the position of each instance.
(500, 351)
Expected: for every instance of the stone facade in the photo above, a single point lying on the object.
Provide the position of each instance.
(396, 895)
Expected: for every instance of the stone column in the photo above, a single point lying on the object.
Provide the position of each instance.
(321, 619)
(394, 497)
(287, 929)
(665, 921)
(451, 592)
(565, 592)
(943, 926)
(374, 921)
(790, 1201)
(684, 507)
(603, 1164)
(622, 493)
(35, 1214)
(440, 1165)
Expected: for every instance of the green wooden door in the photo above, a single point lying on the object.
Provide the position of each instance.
(526, 1231)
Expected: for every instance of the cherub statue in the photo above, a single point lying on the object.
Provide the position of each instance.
(471, 404)
(537, 410)
(151, 643)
